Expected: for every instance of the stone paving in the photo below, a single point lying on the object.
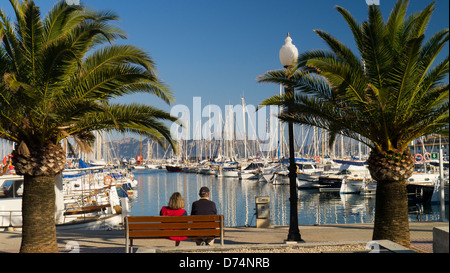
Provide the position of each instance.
(90, 241)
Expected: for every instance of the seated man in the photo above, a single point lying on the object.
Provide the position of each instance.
(204, 206)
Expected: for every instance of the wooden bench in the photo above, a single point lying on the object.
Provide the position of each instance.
(163, 227)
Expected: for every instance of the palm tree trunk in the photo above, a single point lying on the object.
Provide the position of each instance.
(391, 169)
(391, 216)
(38, 215)
(39, 165)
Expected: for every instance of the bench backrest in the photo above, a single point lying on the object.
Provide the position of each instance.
(167, 226)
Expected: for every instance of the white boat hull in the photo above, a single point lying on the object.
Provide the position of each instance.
(423, 178)
(268, 177)
(230, 173)
(10, 212)
(308, 177)
(153, 166)
(100, 223)
(280, 180)
(249, 175)
(73, 211)
(11, 215)
(350, 185)
(305, 184)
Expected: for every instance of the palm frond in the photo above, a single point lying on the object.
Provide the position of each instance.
(395, 26)
(354, 26)
(135, 118)
(118, 54)
(429, 52)
(340, 50)
(60, 20)
(59, 73)
(375, 54)
(421, 20)
(393, 95)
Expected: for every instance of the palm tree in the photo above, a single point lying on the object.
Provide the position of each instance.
(389, 93)
(57, 78)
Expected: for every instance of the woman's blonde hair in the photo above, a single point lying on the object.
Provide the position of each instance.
(176, 201)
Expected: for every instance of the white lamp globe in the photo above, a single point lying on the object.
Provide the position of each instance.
(288, 52)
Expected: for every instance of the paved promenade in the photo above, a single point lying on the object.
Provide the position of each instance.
(89, 241)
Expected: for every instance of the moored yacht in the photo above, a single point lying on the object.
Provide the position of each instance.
(251, 172)
(84, 199)
(354, 171)
(420, 186)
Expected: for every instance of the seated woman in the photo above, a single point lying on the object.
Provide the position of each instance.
(175, 208)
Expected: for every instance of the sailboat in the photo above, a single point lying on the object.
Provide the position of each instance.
(76, 207)
(353, 171)
(150, 164)
(174, 168)
(420, 186)
(251, 172)
(369, 187)
(139, 159)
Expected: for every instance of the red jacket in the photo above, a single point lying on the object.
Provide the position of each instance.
(166, 211)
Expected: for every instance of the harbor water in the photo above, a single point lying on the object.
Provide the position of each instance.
(235, 199)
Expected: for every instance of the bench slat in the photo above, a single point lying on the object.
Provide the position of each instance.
(207, 225)
(172, 233)
(164, 219)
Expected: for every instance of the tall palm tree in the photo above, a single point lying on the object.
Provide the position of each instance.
(58, 75)
(390, 92)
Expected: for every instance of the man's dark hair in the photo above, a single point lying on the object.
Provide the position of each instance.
(204, 191)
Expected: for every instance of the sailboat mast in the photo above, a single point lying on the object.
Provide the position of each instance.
(245, 131)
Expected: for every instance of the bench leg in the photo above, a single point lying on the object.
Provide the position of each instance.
(129, 245)
(221, 230)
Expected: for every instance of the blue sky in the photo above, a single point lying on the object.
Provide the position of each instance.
(215, 49)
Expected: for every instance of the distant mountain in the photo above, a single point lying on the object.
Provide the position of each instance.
(130, 147)
(127, 147)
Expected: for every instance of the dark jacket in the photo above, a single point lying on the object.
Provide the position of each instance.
(203, 207)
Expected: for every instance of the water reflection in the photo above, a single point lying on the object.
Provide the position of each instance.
(235, 199)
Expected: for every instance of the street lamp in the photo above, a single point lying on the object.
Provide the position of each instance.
(288, 57)
(288, 53)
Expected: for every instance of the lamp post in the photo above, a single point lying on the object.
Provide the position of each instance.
(288, 57)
